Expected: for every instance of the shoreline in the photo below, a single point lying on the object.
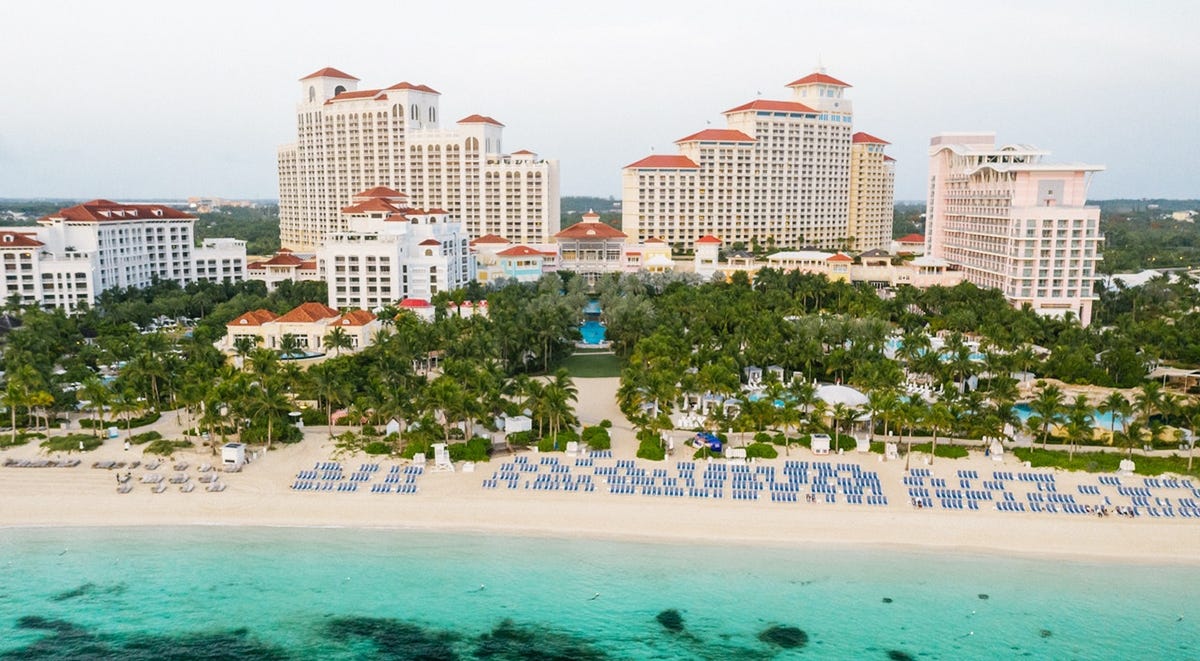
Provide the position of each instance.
(457, 502)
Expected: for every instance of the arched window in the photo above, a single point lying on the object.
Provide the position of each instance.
(429, 252)
(415, 112)
(338, 90)
(312, 93)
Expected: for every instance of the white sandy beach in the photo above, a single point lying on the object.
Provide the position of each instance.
(261, 495)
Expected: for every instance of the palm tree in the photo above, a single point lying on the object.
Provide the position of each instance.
(267, 403)
(938, 417)
(1148, 401)
(1047, 407)
(1116, 406)
(289, 345)
(94, 390)
(1191, 411)
(1079, 421)
(841, 414)
(908, 415)
(243, 345)
(338, 339)
(330, 388)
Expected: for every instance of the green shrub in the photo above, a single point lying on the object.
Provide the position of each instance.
(369, 430)
(7, 440)
(475, 449)
(762, 437)
(144, 419)
(70, 443)
(597, 438)
(761, 451)
(780, 439)
(165, 447)
(521, 439)
(280, 433)
(651, 449)
(144, 437)
(706, 453)
(606, 423)
(943, 450)
(415, 444)
(314, 417)
(456, 433)
(378, 447)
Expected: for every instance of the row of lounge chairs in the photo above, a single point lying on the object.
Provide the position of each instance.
(41, 463)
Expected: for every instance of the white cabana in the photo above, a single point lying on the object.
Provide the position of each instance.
(820, 443)
(838, 394)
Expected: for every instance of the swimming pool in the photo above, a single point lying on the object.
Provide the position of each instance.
(1101, 420)
(593, 332)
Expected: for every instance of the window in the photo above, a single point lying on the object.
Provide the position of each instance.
(432, 114)
(414, 112)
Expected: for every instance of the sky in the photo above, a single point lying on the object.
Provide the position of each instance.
(157, 100)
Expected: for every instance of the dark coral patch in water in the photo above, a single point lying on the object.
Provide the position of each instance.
(1045, 633)
(784, 636)
(887, 600)
(509, 642)
(70, 642)
(394, 639)
(983, 595)
(88, 589)
(671, 620)
(898, 655)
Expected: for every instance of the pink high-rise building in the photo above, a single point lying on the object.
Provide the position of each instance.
(1014, 222)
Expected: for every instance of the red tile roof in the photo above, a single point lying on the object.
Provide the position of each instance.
(479, 119)
(911, 238)
(105, 210)
(380, 191)
(654, 239)
(663, 161)
(354, 318)
(329, 72)
(430, 242)
(590, 230)
(525, 152)
(283, 259)
(867, 137)
(490, 238)
(414, 303)
(888, 159)
(518, 251)
(347, 96)
(839, 258)
(708, 238)
(310, 265)
(591, 214)
(418, 88)
(373, 204)
(10, 239)
(437, 212)
(776, 106)
(818, 77)
(717, 135)
(307, 313)
(254, 318)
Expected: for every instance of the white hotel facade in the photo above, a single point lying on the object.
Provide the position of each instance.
(349, 140)
(80, 251)
(1014, 222)
(782, 173)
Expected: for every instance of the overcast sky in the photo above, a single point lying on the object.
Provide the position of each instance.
(136, 100)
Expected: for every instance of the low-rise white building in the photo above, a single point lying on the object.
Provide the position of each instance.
(80, 251)
(392, 252)
(309, 323)
(283, 265)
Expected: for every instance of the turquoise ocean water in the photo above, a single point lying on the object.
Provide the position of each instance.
(258, 593)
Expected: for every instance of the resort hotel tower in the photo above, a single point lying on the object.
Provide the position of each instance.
(1014, 222)
(781, 174)
(350, 140)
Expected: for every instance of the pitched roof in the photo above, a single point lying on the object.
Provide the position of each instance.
(888, 159)
(310, 265)
(489, 238)
(818, 77)
(354, 318)
(518, 251)
(373, 204)
(911, 238)
(591, 214)
(777, 106)
(479, 119)
(717, 135)
(282, 259)
(416, 88)
(590, 230)
(414, 303)
(10, 239)
(254, 318)
(308, 312)
(654, 239)
(840, 257)
(875, 252)
(867, 137)
(664, 161)
(347, 96)
(106, 210)
(708, 238)
(525, 152)
(380, 191)
(329, 72)
(430, 242)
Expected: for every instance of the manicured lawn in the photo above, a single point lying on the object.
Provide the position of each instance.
(1106, 462)
(592, 365)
